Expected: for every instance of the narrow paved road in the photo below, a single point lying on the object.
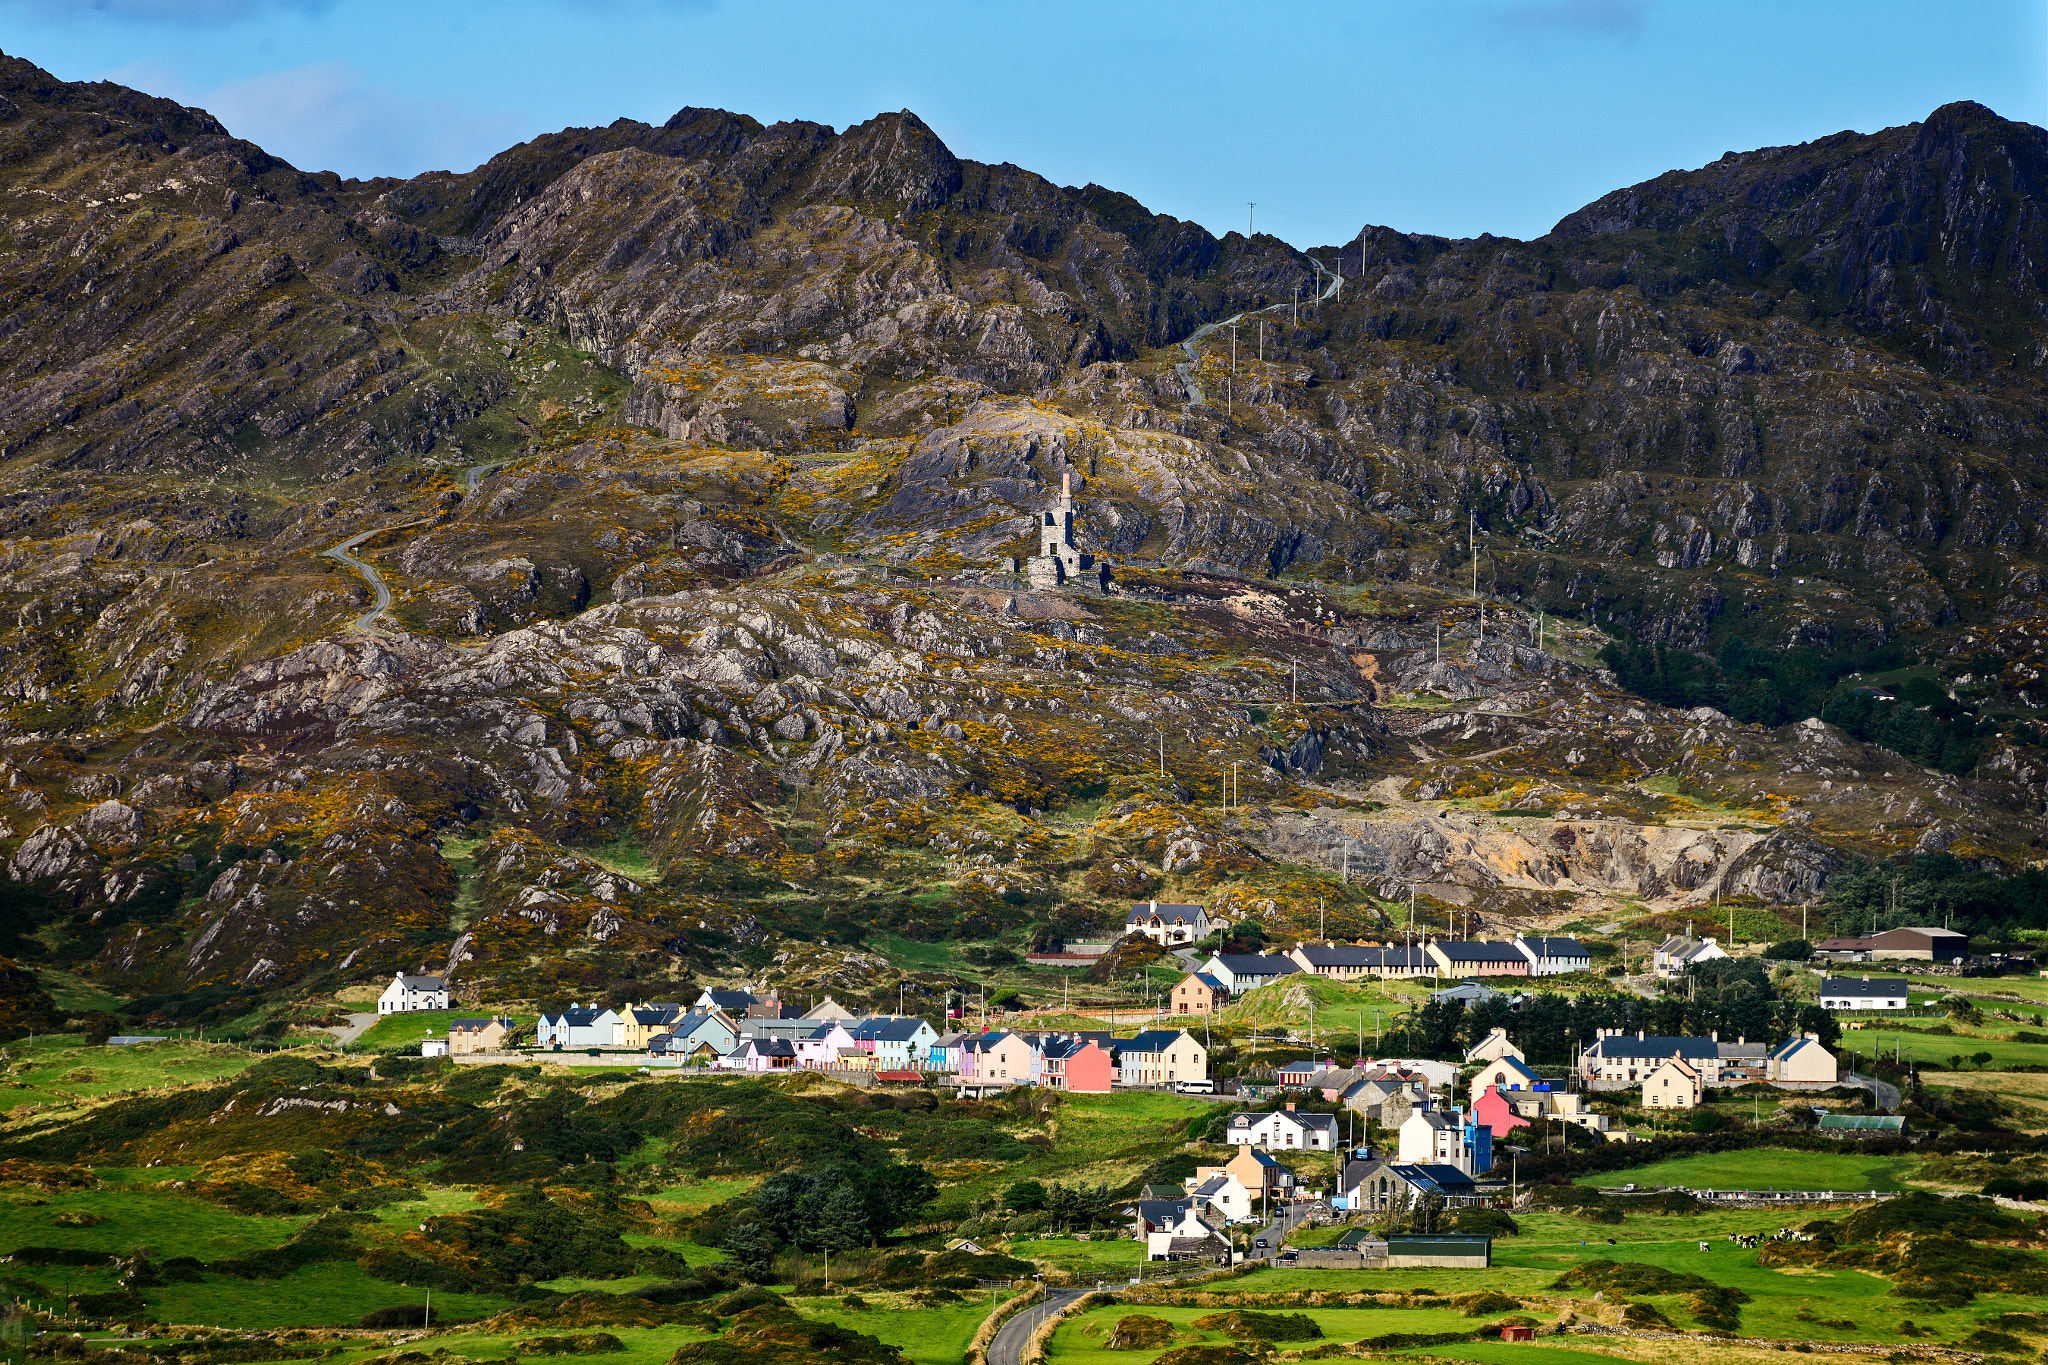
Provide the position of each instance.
(1186, 369)
(1887, 1094)
(357, 1025)
(367, 622)
(1008, 1347)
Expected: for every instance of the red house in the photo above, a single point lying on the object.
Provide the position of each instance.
(1493, 1110)
(1077, 1064)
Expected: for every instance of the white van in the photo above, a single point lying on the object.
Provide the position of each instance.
(1194, 1087)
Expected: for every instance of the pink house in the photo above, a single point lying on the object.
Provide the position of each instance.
(1493, 1110)
(1077, 1064)
(822, 1049)
(1000, 1057)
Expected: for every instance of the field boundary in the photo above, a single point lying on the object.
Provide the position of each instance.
(1601, 1329)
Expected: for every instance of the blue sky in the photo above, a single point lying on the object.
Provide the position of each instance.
(1451, 116)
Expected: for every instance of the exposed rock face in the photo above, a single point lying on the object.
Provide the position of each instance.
(688, 453)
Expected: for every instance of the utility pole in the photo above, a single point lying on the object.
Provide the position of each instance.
(1162, 753)
(1439, 639)
(1297, 305)
(1249, 208)
(1319, 927)
(1294, 682)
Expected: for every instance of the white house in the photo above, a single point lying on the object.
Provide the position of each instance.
(1171, 926)
(577, 1026)
(1554, 956)
(408, 993)
(1283, 1130)
(1862, 993)
(434, 1047)
(1241, 972)
(1677, 953)
(1225, 1195)
(1445, 1137)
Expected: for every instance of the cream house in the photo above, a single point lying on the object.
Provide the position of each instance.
(1672, 1085)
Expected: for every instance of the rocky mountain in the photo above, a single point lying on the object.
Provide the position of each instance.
(693, 459)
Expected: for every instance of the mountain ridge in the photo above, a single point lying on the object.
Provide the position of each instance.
(694, 458)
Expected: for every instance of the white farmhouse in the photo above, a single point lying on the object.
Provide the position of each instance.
(406, 994)
(1862, 993)
(1283, 1130)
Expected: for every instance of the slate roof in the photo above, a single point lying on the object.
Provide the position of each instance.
(422, 983)
(1792, 1045)
(1255, 964)
(1557, 947)
(1628, 1045)
(731, 1000)
(1516, 1071)
(1146, 909)
(1152, 1040)
(1433, 1175)
(1481, 952)
(1341, 955)
(1861, 985)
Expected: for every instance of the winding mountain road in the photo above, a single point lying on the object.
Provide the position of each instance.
(1008, 1346)
(1186, 368)
(367, 622)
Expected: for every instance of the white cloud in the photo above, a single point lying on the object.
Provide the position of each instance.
(330, 117)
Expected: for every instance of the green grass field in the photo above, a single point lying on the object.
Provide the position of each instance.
(60, 1070)
(1794, 1304)
(330, 1294)
(1768, 1168)
(407, 1030)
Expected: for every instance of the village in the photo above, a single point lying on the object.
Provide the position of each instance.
(1402, 1133)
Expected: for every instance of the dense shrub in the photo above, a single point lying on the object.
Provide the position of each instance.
(1261, 1326)
(1140, 1333)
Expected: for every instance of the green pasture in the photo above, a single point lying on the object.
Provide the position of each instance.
(1941, 1049)
(1793, 1304)
(1080, 1340)
(1768, 1168)
(1103, 1258)
(415, 1026)
(175, 1224)
(328, 1294)
(1516, 1353)
(59, 1069)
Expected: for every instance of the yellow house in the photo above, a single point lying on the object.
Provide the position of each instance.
(638, 1024)
(1673, 1085)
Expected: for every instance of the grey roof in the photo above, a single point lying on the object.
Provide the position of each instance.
(1557, 947)
(1861, 985)
(730, 1000)
(577, 1018)
(1629, 1045)
(1341, 955)
(1215, 1184)
(1146, 909)
(1433, 1175)
(1481, 952)
(1161, 1210)
(1151, 1040)
(422, 983)
(1404, 957)
(1255, 964)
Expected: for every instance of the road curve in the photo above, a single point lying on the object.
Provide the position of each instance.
(367, 622)
(1008, 1347)
(1186, 368)
(1885, 1093)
